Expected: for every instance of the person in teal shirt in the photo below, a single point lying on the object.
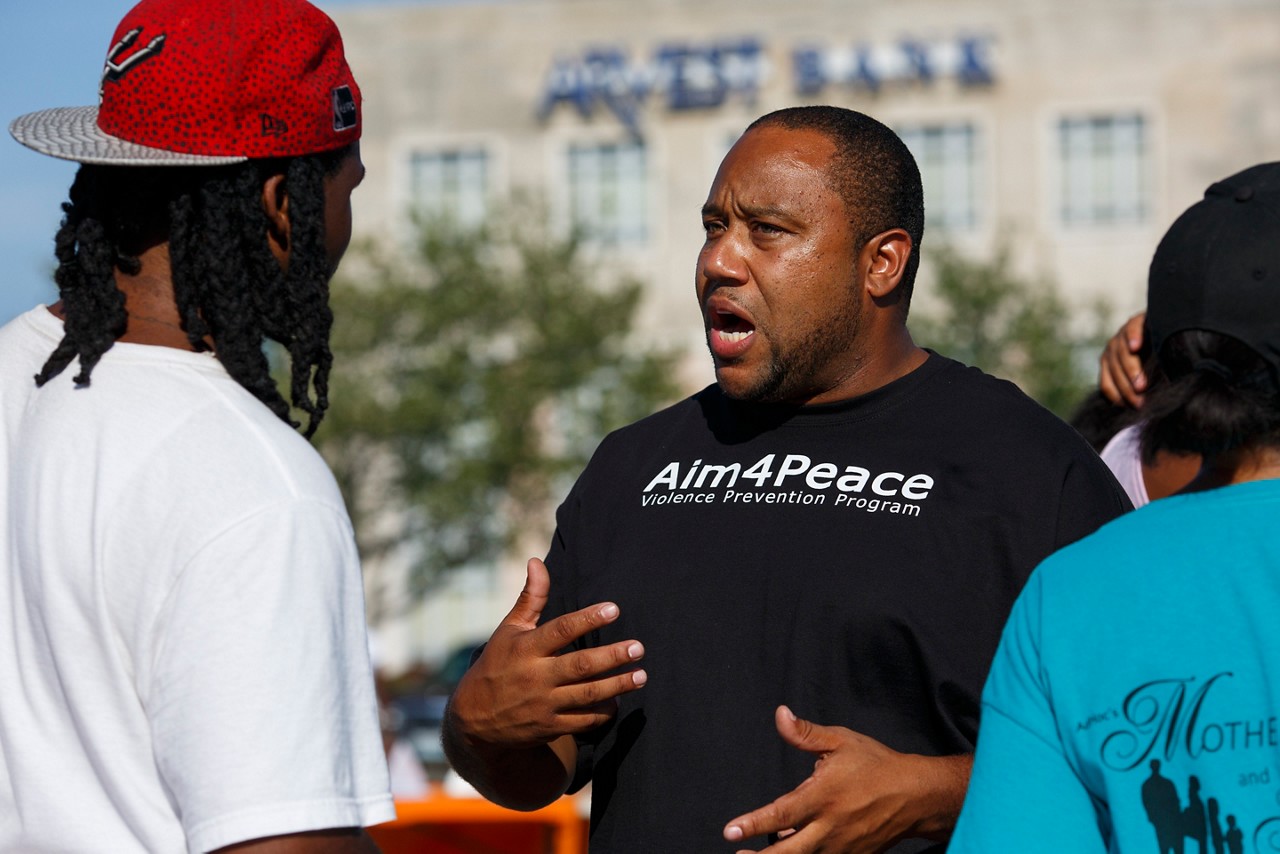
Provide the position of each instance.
(1133, 703)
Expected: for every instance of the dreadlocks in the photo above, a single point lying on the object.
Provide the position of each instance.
(229, 288)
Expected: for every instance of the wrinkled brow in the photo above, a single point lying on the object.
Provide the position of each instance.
(766, 211)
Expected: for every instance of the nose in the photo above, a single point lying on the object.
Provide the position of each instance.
(722, 260)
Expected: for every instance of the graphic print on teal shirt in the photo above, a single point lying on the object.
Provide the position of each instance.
(1164, 723)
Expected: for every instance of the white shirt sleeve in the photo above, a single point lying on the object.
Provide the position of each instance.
(261, 701)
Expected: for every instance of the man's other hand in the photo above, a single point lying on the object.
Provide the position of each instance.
(861, 797)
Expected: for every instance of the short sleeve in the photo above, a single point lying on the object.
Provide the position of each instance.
(1090, 498)
(1023, 795)
(261, 699)
(559, 561)
(560, 601)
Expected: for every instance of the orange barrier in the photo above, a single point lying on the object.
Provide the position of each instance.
(445, 825)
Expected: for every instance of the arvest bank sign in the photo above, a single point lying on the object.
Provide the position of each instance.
(704, 76)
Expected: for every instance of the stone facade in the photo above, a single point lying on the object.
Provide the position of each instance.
(1072, 132)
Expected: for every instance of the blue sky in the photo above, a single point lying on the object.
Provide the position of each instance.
(54, 52)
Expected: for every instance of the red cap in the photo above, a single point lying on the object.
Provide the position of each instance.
(208, 81)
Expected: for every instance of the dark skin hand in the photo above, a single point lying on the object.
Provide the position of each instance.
(861, 797)
(1120, 375)
(510, 722)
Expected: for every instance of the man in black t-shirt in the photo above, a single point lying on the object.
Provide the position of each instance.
(838, 526)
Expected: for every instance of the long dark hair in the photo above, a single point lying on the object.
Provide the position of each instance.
(228, 286)
(1217, 395)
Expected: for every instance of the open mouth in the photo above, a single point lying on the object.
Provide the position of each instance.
(729, 329)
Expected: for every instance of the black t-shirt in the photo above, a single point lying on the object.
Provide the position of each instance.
(854, 561)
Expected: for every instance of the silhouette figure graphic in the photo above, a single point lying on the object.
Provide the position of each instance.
(1164, 810)
(1175, 824)
(1215, 827)
(1193, 820)
(1234, 837)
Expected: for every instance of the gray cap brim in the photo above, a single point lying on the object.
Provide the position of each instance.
(72, 133)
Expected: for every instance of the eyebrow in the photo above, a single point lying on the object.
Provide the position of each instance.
(767, 211)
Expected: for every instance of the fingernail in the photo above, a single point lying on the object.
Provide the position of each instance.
(639, 678)
(733, 833)
(790, 714)
(609, 611)
(635, 651)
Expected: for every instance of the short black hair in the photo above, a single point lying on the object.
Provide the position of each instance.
(872, 170)
(1217, 395)
(1098, 420)
(228, 286)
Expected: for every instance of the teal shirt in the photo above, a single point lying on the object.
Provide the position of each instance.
(1132, 705)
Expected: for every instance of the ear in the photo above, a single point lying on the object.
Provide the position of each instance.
(275, 204)
(884, 259)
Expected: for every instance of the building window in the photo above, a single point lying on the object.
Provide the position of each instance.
(949, 161)
(452, 184)
(607, 190)
(1104, 169)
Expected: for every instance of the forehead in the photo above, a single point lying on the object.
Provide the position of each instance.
(775, 164)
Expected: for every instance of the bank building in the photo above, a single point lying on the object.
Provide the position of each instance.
(1071, 133)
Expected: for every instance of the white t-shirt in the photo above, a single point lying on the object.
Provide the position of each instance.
(1123, 455)
(183, 661)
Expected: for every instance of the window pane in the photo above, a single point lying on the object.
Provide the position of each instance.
(607, 186)
(452, 184)
(948, 157)
(1104, 169)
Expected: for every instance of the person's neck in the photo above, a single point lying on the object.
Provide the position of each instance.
(1241, 465)
(152, 311)
(893, 355)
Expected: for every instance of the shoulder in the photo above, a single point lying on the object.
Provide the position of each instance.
(160, 421)
(990, 426)
(1121, 547)
(637, 446)
(246, 449)
(965, 387)
(979, 405)
(662, 426)
(680, 411)
(1167, 532)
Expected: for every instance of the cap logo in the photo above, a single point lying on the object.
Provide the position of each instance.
(271, 126)
(115, 70)
(345, 114)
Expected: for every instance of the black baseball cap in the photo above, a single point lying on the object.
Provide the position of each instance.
(1218, 266)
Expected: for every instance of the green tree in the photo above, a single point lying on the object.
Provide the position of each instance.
(987, 316)
(473, 376)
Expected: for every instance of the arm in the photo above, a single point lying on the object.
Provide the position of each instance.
(1120, 375)
(1024, 794)
(861, 797)
(351, 840)
(510, 723)
(260, 698)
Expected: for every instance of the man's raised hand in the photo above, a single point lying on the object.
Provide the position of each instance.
(522, 691)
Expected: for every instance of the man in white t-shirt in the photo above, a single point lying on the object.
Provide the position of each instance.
(183, 650)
